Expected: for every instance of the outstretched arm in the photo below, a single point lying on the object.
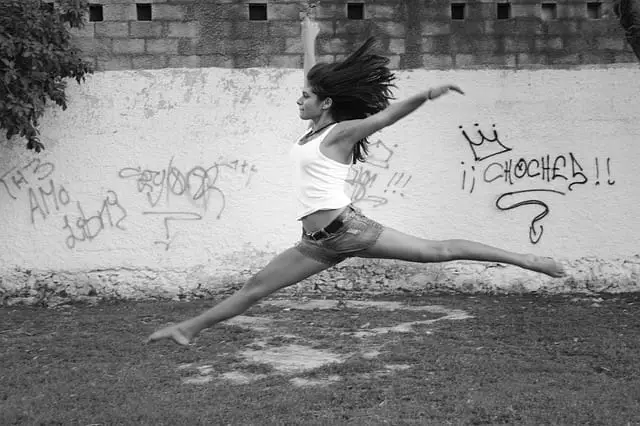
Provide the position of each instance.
(352, 131)
(399, 110)
(310, 31)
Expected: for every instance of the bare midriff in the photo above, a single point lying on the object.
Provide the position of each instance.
(318, 220)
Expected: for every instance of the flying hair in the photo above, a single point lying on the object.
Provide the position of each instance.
(358, 87)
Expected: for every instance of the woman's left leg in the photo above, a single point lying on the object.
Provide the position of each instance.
(394, 244)
(286, 269)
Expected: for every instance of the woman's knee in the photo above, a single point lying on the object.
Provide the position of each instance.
(257, 287)
(253, 289)
(439, 251)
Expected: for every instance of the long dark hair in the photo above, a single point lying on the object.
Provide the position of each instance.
(359, 86)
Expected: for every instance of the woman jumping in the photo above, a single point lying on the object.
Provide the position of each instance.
(346, 102)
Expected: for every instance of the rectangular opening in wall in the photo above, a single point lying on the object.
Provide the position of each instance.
(594, 10)
(503, 10)
(458, 11)
(549, 11)
(95, 13)
(257, 11)
(355, 10)
(144, 11)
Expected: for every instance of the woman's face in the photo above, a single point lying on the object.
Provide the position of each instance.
(310, 105)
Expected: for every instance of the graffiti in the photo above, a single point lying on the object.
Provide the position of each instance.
(473, 178)
(111, 214)
(14, 179)
(379, 154)
(169, 217)
(366, 182)
(609, 180)
(545, 169)
(45, 197)
(362, 181)
(398, 182)
(198, 185)
(534, 234)
(486, 147)
(42, 200)
(566, 171)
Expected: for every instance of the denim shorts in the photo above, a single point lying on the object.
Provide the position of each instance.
(357, 233)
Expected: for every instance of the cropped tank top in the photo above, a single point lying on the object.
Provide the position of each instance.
(320, 181)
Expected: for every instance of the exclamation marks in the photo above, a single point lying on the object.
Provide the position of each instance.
(398, 182)
(609, 181)
(464, 178)
(608, 170)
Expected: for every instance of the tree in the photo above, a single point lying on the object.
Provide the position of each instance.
(628, 12)
(36, 56)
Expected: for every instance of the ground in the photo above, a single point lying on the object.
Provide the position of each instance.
(394, 359)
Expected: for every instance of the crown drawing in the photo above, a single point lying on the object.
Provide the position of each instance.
(379, 154)
(485, 147)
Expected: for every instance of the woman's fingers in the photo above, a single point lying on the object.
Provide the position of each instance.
(456, 89)
(441, 90)
(310, 27)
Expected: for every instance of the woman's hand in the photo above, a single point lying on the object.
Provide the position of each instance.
(310, 29)
(436, 92)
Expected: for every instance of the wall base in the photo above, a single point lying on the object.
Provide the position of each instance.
(50, 288)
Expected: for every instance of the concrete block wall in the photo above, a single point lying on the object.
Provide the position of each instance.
(413, 33)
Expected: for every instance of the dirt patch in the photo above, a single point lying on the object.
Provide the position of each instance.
(309, 305)
(302, 382)
(242, 378)
(250, 322)
(293, 358)
(295, 350)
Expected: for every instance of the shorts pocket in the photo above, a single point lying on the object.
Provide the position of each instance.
(352, 237)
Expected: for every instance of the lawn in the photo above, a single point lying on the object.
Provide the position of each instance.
(410, 359)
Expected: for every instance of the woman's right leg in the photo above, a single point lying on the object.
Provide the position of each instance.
(394, 244)
(288, 268)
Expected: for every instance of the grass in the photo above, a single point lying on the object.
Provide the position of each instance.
(525, 360)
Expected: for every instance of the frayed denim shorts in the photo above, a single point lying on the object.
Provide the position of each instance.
(355, 234)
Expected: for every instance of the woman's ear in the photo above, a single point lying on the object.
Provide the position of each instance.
(326, 104)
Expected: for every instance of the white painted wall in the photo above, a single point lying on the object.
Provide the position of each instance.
(130, 141)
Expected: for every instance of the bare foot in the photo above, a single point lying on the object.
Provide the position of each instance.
(173, 332)
(546, 265)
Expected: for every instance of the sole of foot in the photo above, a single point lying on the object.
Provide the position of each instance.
(172, 332)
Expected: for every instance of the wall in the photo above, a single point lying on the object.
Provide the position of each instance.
(175, 183)
(412, 33)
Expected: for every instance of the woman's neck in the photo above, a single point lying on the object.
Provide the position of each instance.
(322, 122)
(317, 128)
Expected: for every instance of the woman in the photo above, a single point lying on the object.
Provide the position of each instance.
(346, 102)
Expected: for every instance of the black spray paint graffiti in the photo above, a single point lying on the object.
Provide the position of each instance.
(481, 149)
(365, 181)
(535, 233)
(198, 185)
(546, 169)
(46, 196)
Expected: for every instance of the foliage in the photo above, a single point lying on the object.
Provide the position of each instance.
(36, 56)
(628, 12)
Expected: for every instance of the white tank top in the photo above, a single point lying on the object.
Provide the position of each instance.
(320, 181)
